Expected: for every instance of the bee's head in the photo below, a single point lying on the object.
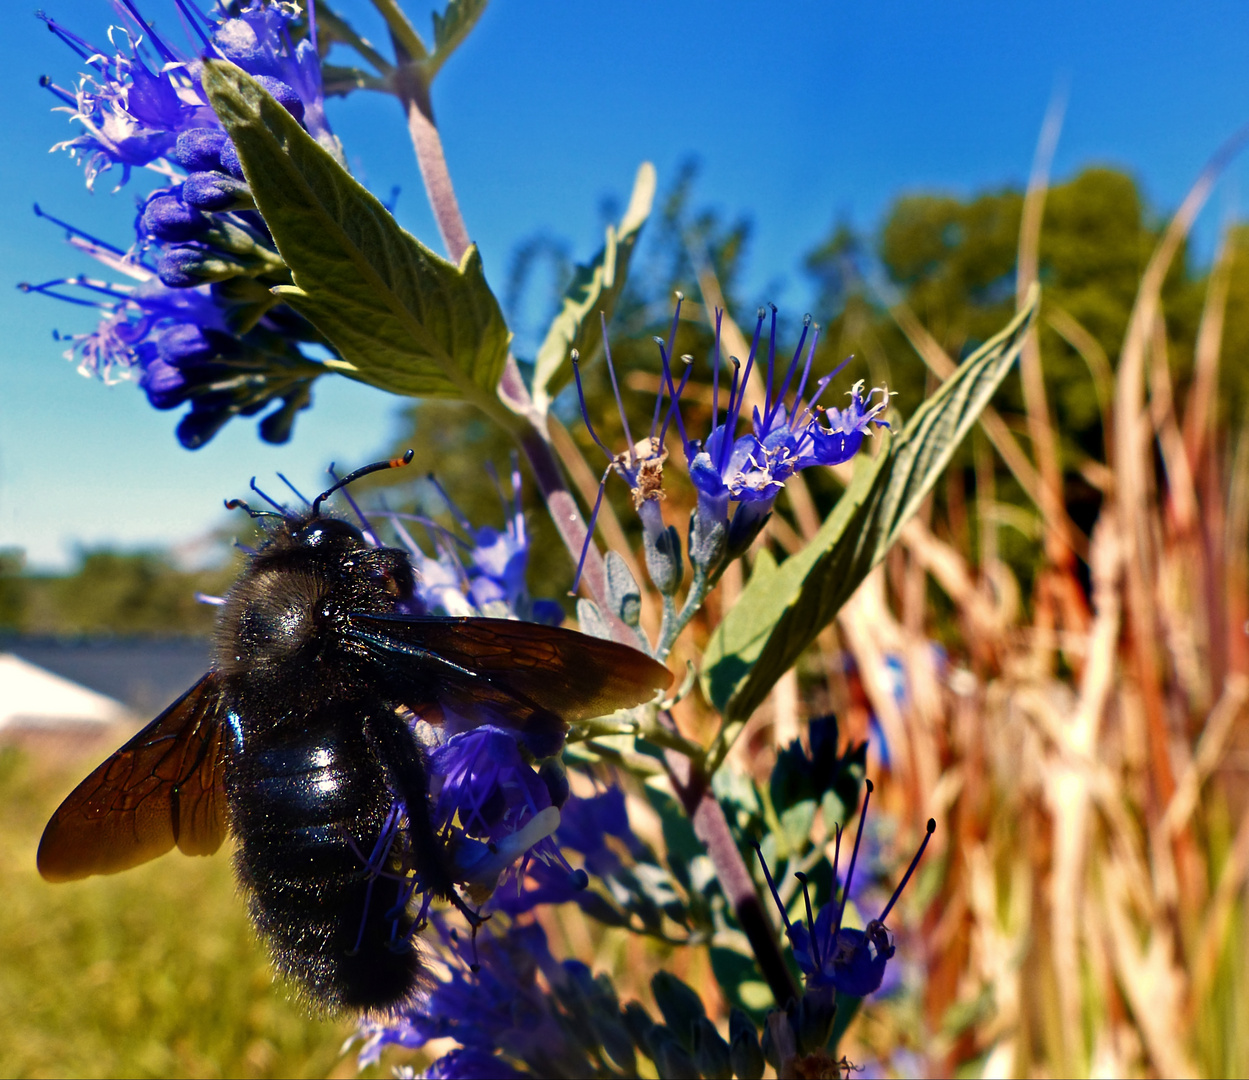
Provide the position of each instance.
(325, 532)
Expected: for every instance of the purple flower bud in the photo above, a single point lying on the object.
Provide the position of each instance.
(165, 385)
(283, 94)
(167, 217)
(230, 159)
(199, 149)
(185, 345)
(214, 191)
(199, 425)
(176, 267)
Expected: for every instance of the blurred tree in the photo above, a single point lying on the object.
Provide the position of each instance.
(112, 592)
(12, 588)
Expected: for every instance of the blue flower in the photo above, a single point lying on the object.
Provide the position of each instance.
(584, 827)
(748, 469)
(491, 1001)
(494, 808)
(484, 575)
(834, 958)
(133, 114)
(226, 347)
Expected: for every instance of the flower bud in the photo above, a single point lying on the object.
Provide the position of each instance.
(216, 191)
(814, 1022)
(711, 1052)
(708, 539)
(622, 590)
(283, 94)
(199, 149)
(745, 1053)
(167, 217)
(188, 265)
(230, 159)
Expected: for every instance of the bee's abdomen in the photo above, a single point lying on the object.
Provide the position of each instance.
(307, 814)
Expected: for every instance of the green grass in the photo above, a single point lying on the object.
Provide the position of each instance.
(154, 972)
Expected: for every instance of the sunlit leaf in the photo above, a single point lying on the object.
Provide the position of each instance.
(783, 608)
(402, 318)
(595, 288)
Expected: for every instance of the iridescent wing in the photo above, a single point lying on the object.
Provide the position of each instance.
(529, 673)
(164, 787)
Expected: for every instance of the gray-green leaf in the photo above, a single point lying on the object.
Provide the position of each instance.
(450, 30)
(783, 608)
(595, 287)
(402, 318)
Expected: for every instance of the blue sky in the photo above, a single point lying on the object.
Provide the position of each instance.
(801, 113)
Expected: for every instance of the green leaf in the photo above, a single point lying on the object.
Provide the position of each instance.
(402, 318)
(783, 608)
(595, 287)
(450, 30)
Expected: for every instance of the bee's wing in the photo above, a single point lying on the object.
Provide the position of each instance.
(530, 671)
(164, 787)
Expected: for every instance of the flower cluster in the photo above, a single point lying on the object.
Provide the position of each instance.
(749, 470)
(494, 1005)
(483, 575)
(197, 323)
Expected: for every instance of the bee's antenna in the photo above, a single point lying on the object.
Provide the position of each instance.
(377, 466)
(239, 504)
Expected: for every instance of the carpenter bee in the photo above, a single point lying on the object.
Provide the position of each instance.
(298, 741)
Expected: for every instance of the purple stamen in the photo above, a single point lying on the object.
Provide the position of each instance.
(284, 511)
(932, 827)
(822, 385)
(736, 408)
(589, 530)
(81, 46)
(715, 375)
(659, 398)
(789, 375)
(806, 899)
(767, 876)
(47, 290)
(611, 370)
(806, 371)
(298, 494)
(454, 510)
(190, 15)
(767, 394)
(845, 890)
(726, 441)
(312, 24)
(585, 413)
(675, 407)
(46, 82)
(73, 230)
(674, 394)
(166, 53)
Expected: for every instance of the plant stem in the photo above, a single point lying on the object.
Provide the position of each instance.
(712, 829)
(412, 87)
(688, 779)
(413, 90)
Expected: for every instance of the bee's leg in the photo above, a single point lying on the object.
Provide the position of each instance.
(404, 761)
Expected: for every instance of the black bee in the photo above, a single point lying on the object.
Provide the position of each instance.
(298, 740)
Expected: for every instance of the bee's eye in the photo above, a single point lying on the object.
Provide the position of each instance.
(391, 585)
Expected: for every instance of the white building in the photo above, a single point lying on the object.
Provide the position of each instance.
(32, 697)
